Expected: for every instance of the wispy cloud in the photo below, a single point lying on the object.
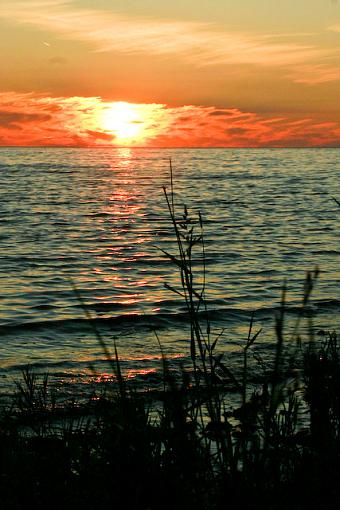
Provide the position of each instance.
(199, 43)
(29, 119)
(314, 74)
(334, 28)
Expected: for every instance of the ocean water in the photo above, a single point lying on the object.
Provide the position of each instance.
(97, 219)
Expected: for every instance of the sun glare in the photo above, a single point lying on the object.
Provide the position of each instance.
(124, 121)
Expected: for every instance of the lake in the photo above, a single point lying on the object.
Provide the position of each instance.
(97, 219)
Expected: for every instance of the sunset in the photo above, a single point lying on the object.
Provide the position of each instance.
(169, 246)
(256, 75)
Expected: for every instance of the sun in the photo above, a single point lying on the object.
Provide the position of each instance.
(124, 121)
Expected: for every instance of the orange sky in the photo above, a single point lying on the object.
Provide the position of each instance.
(219, 73)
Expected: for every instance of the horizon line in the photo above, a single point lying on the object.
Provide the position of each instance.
(165, 148)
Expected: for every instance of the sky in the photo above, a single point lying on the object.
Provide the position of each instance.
(189, 73)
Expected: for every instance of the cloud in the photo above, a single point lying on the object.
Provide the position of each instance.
(13, 120)
(32, 119)
(313, 74)
(223, 113)
(202, 44)
(57, 61)
(334, 28)
(99, 135)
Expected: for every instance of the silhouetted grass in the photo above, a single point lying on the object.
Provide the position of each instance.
(185, 450)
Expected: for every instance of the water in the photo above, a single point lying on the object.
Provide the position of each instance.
(98, 217)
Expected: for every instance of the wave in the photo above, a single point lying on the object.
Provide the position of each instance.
(163, 320)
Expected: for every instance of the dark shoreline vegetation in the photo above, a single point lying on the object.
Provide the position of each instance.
(182, 446)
